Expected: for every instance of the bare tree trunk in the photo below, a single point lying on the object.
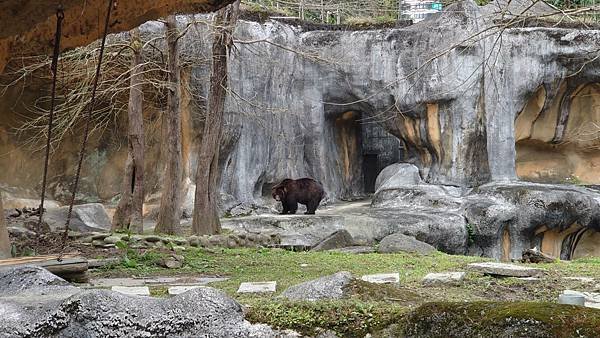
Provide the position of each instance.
(170, 203)
(129, 211)
(4, 240)
(206, 218)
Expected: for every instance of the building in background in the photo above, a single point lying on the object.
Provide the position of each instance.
(418, 10)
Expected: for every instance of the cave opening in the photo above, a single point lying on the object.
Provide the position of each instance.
(361, 150)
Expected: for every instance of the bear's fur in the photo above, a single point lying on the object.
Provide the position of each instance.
(304, 191)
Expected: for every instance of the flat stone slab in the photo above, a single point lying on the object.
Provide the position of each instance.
(111, 282)
(174, 281)
(444, 278)
(382, 278)
(592, 299)
(503, 269)
(257, 287)
(132, 290)
(176, 290)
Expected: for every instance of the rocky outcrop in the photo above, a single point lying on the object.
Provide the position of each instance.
(328, 287)
(42, 305)
(340, 106)
(401, 243)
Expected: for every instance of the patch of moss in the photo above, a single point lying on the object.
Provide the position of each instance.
(370, 292)
(348, 318)
(512, 319)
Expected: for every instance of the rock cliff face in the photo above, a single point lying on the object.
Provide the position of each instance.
(466, 99)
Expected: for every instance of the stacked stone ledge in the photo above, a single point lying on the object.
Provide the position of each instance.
(249, 240)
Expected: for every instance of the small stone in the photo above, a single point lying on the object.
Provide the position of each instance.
(503, 269)
(382, 278)
(152, 239)
(87, 239)
(231, 244)
(194, 241)
(443, 278)
(179, 248)
(218, 240)
(132, 290)
(100, 244)
(251, 237)
(529, 279)
(204, 242)
(257, 287)
(112, 239)
(180, 242)
(99, 236)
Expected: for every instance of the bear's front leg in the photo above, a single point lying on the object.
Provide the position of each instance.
(285, 208)
(293, 206)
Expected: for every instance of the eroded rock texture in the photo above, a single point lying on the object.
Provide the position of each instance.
(466, 102)
(43, 305)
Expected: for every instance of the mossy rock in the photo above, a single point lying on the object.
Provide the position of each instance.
(495, 319)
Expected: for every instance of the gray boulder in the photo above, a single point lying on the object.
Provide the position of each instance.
(398, 174)
(35, 310)
(85, 218)
(399, 242)
(328, 287)
(338, 239)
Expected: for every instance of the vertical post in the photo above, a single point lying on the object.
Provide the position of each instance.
(338, 19)
(400, 3)
(4, 240)
(322, 11)
(302, 9)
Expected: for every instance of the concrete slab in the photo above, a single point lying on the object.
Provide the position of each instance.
(110, 282)
(592, 299)
(257, 287)
(581, 279)
(176, 290)
(444, 278)
(382, 278)
(503, 269)
(132, 290)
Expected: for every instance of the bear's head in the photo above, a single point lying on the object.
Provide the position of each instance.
(278, 193)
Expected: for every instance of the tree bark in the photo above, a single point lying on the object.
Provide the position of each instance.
(170, 203)
(206, 218)
(4, 240)
(129, 213)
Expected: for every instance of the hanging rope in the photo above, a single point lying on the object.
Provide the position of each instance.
(86, 130)
(60, 15)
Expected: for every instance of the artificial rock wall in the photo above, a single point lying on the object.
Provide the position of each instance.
(466, 102)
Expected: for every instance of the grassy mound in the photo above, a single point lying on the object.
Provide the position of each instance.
(494, 319)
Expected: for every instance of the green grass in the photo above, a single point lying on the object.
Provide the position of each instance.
(368, 307)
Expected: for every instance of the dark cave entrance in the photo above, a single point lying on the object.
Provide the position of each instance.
(370, 171)
(361, 150)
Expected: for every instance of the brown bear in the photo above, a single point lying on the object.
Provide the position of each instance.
(304, 191)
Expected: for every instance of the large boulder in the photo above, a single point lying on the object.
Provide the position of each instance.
(85, 218)
(328, 287)
(401, 243)
(398, 174)
(339, 239)
(34, 310)
(510, 217)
